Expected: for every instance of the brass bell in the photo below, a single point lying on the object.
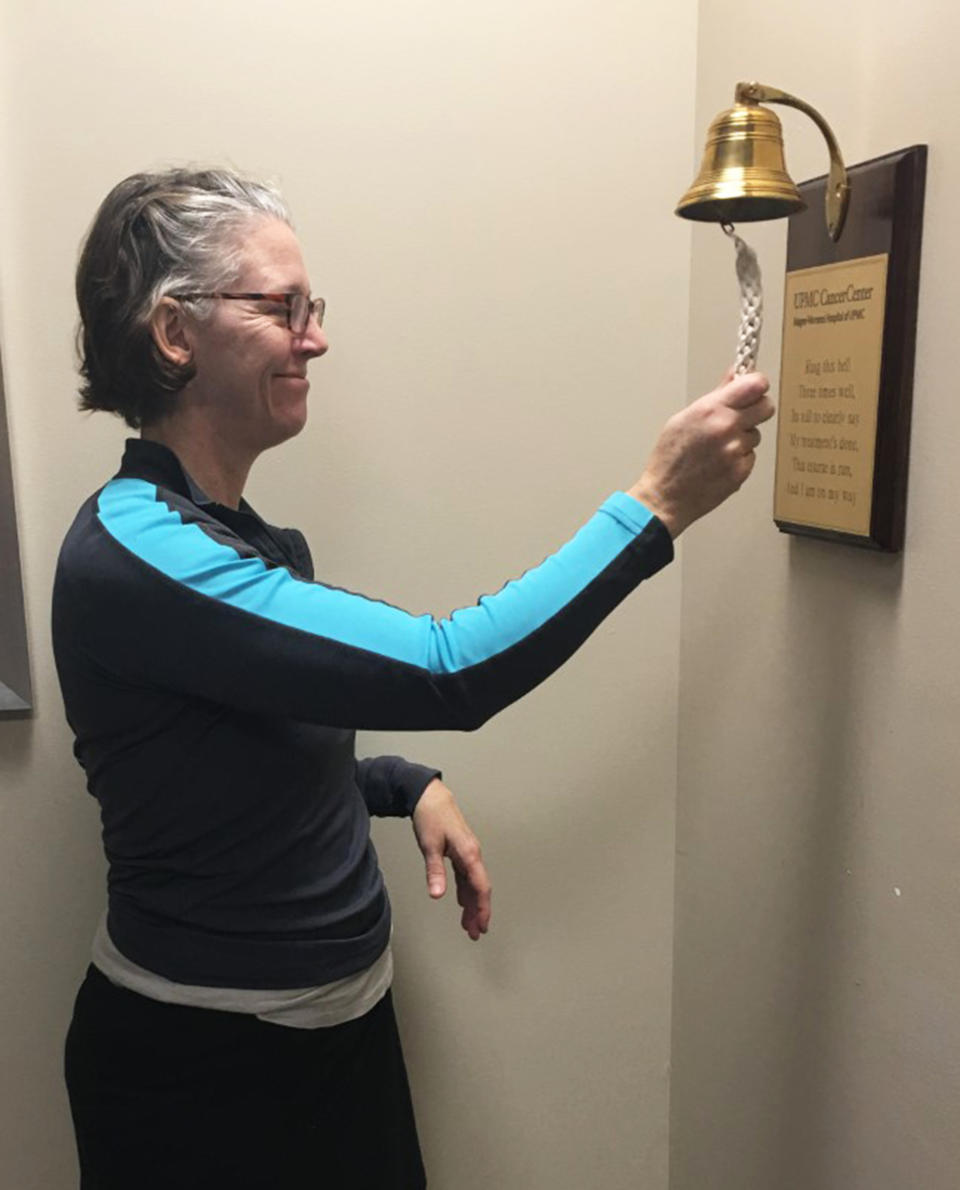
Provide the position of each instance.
(743, 177)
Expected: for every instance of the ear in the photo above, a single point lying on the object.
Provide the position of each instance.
(168, 326)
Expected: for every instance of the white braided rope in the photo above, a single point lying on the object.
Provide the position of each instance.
(751, 303)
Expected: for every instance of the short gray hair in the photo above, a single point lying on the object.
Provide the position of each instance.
(156, 234)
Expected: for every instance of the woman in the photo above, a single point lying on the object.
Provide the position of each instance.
(214, 689)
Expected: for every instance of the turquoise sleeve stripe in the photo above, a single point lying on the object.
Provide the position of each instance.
(132, 514)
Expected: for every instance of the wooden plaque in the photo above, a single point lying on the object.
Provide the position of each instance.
(846, 378)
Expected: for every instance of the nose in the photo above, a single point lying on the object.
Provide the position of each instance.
(313, 342)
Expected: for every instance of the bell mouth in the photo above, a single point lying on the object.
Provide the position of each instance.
(743, 208)
(737, 195)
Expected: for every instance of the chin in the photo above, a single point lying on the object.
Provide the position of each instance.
(287, 424)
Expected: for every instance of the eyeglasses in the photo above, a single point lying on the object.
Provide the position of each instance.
(299, 305)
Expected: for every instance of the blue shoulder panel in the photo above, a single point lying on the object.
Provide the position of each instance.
(133, 512)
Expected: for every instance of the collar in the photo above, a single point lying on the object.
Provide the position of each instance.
(158, 464)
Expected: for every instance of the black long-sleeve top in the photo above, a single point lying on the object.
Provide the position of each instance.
(214, 688)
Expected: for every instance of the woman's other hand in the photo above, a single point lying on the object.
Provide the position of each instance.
(442, 833)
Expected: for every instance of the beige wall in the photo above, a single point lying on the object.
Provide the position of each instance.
(508, 300)
(816, 1042)
(508, 309)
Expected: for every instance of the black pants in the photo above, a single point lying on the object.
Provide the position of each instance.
(172, 1098)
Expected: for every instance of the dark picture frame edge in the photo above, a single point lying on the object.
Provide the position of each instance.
(16, 696)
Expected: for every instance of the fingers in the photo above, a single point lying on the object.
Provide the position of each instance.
(742, 392)
(747, 396)
(473, 891)
(746, 465)
(750, 440)
(473, 883)
(436, 874)
(475, 918)
(758, 413)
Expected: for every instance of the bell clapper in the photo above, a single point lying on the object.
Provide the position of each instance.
(751, 303)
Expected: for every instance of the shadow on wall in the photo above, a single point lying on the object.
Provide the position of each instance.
(843, 604)
(16, 740)
(785, 642)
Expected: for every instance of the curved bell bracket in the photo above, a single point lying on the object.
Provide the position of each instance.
(838, 183)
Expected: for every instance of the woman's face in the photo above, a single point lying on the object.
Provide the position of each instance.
(251, 369)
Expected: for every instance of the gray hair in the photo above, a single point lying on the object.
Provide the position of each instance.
(155, 235)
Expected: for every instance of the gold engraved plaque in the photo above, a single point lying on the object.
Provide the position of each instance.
(833, 325)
